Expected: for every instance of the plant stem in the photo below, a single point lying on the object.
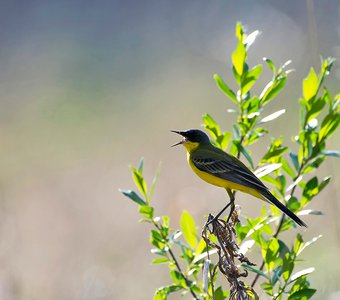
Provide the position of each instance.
(175, 261)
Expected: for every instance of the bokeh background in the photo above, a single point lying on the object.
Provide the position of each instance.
(89, 87)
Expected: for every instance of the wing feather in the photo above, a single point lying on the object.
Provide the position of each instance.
(237, 173)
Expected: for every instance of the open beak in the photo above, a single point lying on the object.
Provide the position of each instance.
(181, 142)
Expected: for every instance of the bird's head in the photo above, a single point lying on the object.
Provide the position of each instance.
(192, 138)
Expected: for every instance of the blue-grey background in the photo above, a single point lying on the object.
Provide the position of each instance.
(88, 87)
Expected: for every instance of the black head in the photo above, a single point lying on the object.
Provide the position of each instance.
(193, 135)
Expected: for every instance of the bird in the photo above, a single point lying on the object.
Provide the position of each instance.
(221, 169)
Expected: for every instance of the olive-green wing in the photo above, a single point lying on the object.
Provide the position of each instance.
(226, 167)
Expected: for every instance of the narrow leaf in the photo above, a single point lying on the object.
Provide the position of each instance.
(160, 260)
(263, 171)
(238, 58)
(242, 150)
(140, 167)
(272, 116)
(287, 168)
(252, 269)
(251, 78)
(225, 88)
(139, 181)
(305, 245)
(310, 212)
(146, 211)
(133, 196)
(310, 85)
(328, 126)
(331, 153)
(188, 228)
(250, 39)
(270, 64)
(303, 294)
(295, 160)
(211, 125)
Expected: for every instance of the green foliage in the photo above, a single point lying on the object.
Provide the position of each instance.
(287, 170)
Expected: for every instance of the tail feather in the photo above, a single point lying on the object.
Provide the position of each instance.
(270, 198)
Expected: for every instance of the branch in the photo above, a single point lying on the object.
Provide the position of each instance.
(187, 281)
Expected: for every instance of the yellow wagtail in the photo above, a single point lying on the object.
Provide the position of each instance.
(217, 167)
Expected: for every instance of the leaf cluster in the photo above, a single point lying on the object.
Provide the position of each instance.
(287, 169)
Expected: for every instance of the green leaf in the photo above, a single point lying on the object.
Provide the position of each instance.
(225, 88)
(287, 168)
(271, 180)
(251, 78)
(211, 125)
(298, 243)
(328, 126)
(146, 211)
(295, 160)
(187, 253)
(219, 295)
(166, 221)
(133, 196)
(160, 260)
(310, 190)
(272, 89)
(314, 164)
(163, 292)
(299, 284)
(139, 181)
(223, 140)
(267, 287)
(270, 254)
(140, 167)
(242, 150)
(272, 116)
(287, 267)
(310, 85)
(315, 109)
(270, 64)
(178, 278)
(275, 152)
(324, 183)
(188, 228)
(239, 33)
(200, 247)
(236, 132)
(239, 57)
(254, 270)
(293, 204)
(303, 294)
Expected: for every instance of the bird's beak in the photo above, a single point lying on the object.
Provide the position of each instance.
(181, 142)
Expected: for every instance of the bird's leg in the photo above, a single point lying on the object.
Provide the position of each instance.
(232, 199)
(232, 202)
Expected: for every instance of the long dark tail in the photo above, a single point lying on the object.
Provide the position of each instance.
(270, 198)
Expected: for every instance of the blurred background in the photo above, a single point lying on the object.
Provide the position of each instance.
(89, 87)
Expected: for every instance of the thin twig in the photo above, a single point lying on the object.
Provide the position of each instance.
(187, 281)
(227, 251)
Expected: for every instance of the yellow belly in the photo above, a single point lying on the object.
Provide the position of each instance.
(224, 183)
